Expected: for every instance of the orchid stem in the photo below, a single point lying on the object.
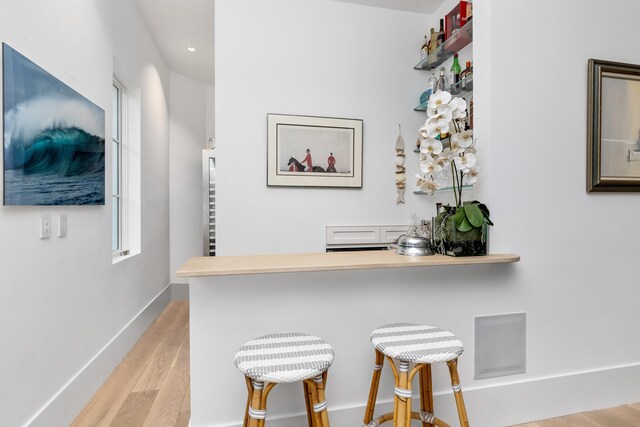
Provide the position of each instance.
(454, 172)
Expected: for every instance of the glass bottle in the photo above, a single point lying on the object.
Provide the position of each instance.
(432, 83)
(441, 37)
(466, 75)
(442, 81)
(455, 75)
(424, 50)
(467, 119)
(433, 43)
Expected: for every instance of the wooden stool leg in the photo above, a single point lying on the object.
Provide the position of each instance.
(403, 396)
(313, 392)
(258, 409)
(457, 391)
(373, 391)
(394, 370)
(308, 399)
(249, 397)
(263, 403)
(319, 402)
(255, 410)
(426, 392)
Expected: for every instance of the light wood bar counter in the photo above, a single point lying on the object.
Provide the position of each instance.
(333, 261)
(339, 296)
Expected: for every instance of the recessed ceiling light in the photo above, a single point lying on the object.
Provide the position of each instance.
(191, 49)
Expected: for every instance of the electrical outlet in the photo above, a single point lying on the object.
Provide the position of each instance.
(62, 229)
(45, 227)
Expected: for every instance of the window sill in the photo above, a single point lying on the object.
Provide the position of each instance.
(119, 258)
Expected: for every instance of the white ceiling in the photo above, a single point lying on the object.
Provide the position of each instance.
(420, 6)
(178, 24)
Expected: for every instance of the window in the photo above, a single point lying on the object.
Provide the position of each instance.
(118, 147)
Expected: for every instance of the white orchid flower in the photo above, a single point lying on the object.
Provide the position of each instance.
(458, 107)
(446, 114)
(465, 162)
(472, 176)
(423, 131)
(440, 109)
(439, 122)
(431, 146)
(443, 162)
(447, 155)
(430, 167)
(426, 185)
(439, 98)
(431, 130)
(464, 139)
(455, 148)
(428, 131)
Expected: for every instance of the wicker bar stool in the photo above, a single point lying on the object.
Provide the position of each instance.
(285, 358)
(411, 349)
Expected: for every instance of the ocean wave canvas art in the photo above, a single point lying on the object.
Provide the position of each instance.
(54, 139)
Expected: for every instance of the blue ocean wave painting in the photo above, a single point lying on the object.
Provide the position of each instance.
(54, 139)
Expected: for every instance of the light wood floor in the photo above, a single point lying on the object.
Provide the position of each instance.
(621, 416)
(150, 387)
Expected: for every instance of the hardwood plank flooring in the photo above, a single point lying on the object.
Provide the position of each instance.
(135, 409)
(620, 416)
(151, 384)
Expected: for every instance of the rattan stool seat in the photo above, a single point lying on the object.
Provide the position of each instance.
(284, 357)
(408, 342)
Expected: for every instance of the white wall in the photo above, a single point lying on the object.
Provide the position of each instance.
(317, 58)
(62, 300)
(577, 279)
(188, 126)
(211, 111)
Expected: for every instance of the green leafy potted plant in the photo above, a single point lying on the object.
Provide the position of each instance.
(459, 230)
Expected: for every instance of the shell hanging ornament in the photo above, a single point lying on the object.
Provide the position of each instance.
(401, 175)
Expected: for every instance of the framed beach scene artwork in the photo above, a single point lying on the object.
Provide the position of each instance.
(613, 130)
(306, 151)
(54, 139)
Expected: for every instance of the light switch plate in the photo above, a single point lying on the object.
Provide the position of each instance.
(45, 227)
(62, 229)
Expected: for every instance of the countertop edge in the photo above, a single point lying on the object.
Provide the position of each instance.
(337, 261)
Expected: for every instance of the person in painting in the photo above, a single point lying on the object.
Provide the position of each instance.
(308, 161)
(332, 163)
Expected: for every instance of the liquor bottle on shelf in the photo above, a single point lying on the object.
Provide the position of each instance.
(432, 83)
(455, 75)
(442, 81)
(467, 119)
(469, 10)
(466, 75)
(441, 37)
(433, 41)
(424, 50)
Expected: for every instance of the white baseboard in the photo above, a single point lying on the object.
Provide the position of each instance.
(507, 403)
(67, 403)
